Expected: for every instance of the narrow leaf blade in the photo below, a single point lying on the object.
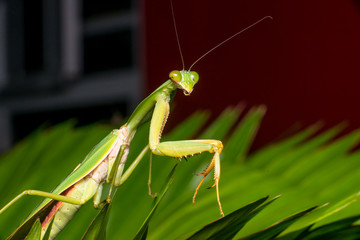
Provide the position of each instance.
(35, 231)
(228, 226)
(275, 230)
(142, 233)
(97, 228)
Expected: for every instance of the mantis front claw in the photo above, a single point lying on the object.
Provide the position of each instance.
(215, 162)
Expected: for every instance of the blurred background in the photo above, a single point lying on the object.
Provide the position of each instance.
(62, 59)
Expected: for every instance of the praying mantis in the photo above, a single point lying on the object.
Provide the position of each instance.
(106, 161)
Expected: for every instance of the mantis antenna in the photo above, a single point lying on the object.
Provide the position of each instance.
(176, 33)
(229, 38)
(216, 46)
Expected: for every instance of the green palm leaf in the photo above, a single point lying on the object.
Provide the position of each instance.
(309, 168)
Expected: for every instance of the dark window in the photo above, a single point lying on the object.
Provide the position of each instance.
(96, 8)
(108, 51)
(33, 35)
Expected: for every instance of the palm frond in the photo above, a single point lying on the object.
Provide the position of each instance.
(310, 168)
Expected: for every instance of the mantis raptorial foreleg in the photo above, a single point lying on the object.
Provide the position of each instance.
(180, 149)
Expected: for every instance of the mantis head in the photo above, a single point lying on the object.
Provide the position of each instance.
(185, 80)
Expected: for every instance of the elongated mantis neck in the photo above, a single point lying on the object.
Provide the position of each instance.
(143, 111)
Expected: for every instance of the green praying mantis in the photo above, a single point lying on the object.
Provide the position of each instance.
(106, 161)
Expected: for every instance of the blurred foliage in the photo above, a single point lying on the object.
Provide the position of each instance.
(310, 168)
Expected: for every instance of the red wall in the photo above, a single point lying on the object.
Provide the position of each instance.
(304, 65)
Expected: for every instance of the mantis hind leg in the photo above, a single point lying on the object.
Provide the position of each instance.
(57, 197)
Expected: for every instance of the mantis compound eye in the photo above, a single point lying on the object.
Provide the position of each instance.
(175, 76)
(194, 76)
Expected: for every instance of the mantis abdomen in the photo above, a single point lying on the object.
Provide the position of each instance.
(83, 190)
